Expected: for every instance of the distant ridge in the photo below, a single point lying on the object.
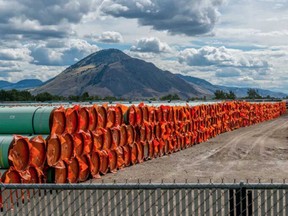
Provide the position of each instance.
(21, 85)
(239, 92)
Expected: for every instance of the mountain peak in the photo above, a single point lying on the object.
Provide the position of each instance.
(106, 56)
(111, 72)
(109, 51)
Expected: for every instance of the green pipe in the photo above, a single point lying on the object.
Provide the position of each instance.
(5, 142)
(16, 120)
(42, 121)
(25, 120)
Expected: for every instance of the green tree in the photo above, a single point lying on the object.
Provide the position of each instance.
(175, 97)
(45, 96)
(231, 95)
(95, 97)
(170, 97)
(24, 96)
(15, 95)
(73, 98)
(219, 94)
(4, 95)
(85, 96)
(253, 94)
(109, 98)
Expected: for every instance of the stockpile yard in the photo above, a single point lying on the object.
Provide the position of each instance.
(148, 107)
(47, 144)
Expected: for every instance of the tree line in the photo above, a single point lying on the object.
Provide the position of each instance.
(219, 94)
(251, 94)
(16, 95)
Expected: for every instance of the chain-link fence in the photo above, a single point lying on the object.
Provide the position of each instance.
(145, 199)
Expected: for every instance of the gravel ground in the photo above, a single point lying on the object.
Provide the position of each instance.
(252, 153)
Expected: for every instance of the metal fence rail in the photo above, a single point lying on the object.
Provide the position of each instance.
(144, 199)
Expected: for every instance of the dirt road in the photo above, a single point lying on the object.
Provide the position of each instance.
(258, 151)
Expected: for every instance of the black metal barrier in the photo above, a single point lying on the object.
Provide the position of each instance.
(144, 199)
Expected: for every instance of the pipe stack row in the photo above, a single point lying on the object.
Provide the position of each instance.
(88, 141)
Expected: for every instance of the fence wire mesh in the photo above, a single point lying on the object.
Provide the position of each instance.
(145, 199)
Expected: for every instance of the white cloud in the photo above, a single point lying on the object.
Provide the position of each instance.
(41, 38)
(189, 17)
(228, 72)
(146, 56)
(251, 36)
(4, 64)
(114, 8)
(46, 56)
(61, 53)
(42, 19)
(151, 44)
(29, 71)
(16, 54)
(246, 79)
(110, 37)
(220, 56)
(81, 45)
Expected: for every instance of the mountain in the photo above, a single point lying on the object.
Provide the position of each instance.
(3, 84)
(240, 92)
(200, 82)
(113, 73)
(21, 85)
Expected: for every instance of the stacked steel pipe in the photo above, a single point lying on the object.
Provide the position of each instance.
(24, 156)
(87, 142)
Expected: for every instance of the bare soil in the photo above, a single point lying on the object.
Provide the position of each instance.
(251, 153)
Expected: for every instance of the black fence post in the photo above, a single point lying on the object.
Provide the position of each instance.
(231, 201)
(243, 199)
(238, 201)
(250, 209)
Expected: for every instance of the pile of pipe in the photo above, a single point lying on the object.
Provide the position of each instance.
(74, 144)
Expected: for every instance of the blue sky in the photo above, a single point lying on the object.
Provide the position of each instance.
(235, 43)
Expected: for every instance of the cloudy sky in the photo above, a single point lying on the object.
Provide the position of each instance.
(227, 42)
